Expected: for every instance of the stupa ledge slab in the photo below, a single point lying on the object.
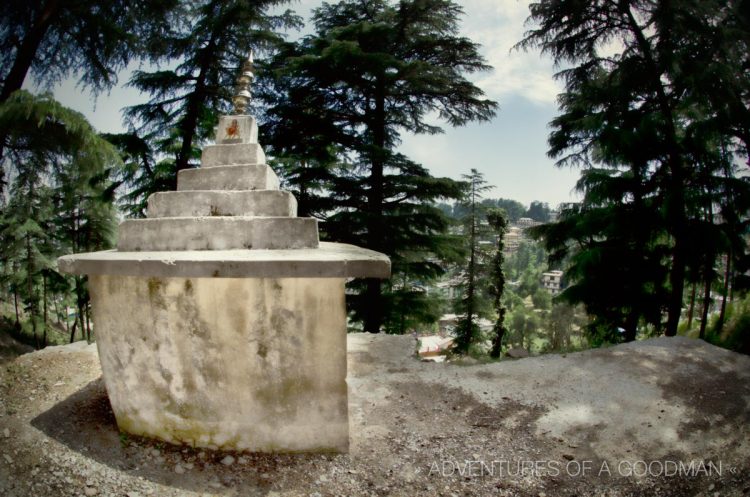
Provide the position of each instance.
(222, 272)
(329, 260)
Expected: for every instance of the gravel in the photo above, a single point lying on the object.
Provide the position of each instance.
(417, 429)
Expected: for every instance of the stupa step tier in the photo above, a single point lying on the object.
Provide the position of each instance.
(232, 153)
(231, 202)
(267, 203)
(236, 177)
(217, 233)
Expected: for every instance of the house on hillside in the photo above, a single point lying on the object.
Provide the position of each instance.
(552, 281)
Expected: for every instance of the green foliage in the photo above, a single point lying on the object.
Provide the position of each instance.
(474, 301)
(93, 39)
(526, 265)
(539, 211)
(513, 209)
(497, 219)
(542, 299)
(735, 333)
(343, 96)
(658, 144)
(60, 201)
(524, 325)
(207, 43)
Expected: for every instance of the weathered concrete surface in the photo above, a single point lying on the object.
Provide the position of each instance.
(237, 129)
(236, 153)
(217, 233)
(242, 177)
(222, 203)
(220, 320)
(246, 364)
(329, 260)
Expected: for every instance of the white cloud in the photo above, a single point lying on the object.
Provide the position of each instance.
(498, 25)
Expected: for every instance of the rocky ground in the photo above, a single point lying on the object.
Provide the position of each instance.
(667, 416)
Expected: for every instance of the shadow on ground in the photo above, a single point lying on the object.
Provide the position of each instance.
(84, 422)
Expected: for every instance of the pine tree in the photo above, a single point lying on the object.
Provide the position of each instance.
(498, 221)
(26, 242)
(94, 40)
(60, 199)
(642, 118)
(372, 71)
(186, 100)
(473, 303)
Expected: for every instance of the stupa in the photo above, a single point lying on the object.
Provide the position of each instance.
(220, 319)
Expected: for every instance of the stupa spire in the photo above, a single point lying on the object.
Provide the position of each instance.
(242, 90)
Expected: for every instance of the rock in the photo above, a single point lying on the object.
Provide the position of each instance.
(90, 491)
(155, 452)
(6, 433)
(517, 353)
(242, 460)
(133, 494)
(179, 469)
(323, 478)
(568, 457)
(227, 461)
(8, 459)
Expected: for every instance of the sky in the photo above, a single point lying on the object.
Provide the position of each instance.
(510, 150)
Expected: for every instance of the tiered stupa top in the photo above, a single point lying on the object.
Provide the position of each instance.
(232, 201)
(227, 218)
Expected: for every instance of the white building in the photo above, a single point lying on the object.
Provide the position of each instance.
(552, 281)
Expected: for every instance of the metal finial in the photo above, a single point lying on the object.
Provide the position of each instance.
(242, 90)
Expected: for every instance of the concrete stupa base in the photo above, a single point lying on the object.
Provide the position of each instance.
(230, 363)
(220, 319)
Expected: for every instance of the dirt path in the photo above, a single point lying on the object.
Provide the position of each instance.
(661, 417)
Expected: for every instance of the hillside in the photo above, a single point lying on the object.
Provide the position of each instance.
(546, 425)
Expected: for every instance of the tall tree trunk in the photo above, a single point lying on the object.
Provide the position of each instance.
(497, 342)
(471, 290)
(692, 307)
(631, 325)
(706, 304)
(676, 194)
(30, 289)
(725, 293)
(373, 315)
(58, 315)
(88, 322)
(27, 51)
(73, 329)
(44, 316)
(190, 121)
(80, 308)
(15, 303)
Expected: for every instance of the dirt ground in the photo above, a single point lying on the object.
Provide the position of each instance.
(667, 416)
